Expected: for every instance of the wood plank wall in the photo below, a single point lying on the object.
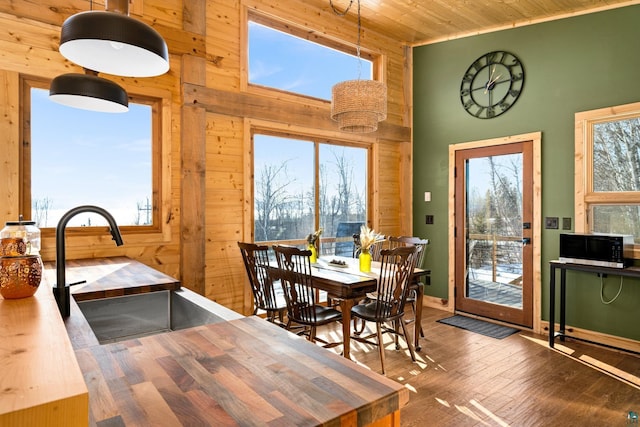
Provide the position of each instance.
(207, 188)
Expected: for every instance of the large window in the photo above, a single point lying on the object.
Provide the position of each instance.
(608, 170)
(301, 185)
(79, 157)
(283, 57)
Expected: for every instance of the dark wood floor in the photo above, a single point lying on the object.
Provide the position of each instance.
(466, 379)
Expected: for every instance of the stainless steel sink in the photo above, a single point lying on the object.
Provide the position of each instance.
(133, 316)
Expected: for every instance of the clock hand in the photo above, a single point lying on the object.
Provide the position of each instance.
(491, 83)
(502, 81)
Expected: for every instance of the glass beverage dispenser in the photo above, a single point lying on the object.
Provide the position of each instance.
(20, 262)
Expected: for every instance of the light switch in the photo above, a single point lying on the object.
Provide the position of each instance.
(427, 196)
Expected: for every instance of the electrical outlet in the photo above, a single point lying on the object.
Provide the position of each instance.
(551, 223)
(566, 223)
(429, 219)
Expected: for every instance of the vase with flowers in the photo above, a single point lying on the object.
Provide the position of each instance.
(313, 241)
(368, 238)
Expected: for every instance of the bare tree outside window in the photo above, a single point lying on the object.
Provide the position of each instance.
(271, 200)
(342, 200)
(284, 189)
(607, 171)
(616, 168)
(40, 211)
(495, 211)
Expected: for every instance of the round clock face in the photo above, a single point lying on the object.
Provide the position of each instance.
(492, 84)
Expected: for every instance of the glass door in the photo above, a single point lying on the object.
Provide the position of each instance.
(494, 253)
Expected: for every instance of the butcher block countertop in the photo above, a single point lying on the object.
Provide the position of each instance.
(244, 372)
(240, 372)
(40, 381)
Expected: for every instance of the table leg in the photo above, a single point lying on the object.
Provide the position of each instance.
(418, 322)
(552, 305)
(345, 307)
(563, 293)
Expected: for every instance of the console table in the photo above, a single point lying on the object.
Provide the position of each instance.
(563, 267)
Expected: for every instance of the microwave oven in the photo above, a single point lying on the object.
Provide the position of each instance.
(603, 250)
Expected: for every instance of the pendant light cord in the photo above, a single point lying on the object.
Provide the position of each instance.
(602, 291)
(337, 12)
(343, 13)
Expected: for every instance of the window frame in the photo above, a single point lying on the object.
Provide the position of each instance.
(305, 33)
(159, 100)
(316, 139)
(585, 197)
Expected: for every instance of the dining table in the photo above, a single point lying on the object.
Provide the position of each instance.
(344, 282)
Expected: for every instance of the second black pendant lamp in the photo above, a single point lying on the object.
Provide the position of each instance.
(89, 92)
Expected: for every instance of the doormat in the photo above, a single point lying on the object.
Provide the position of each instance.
(479, 326)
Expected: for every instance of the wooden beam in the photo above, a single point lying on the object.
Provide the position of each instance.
(9, 111)
(194, 16)
(249, 105)
(192, 211)
(179, 42)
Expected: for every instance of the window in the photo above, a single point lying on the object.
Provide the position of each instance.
(300, 65)
(301, 185)
(78, 157)
(608, 170)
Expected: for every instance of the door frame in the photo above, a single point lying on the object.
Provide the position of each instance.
(536, 138)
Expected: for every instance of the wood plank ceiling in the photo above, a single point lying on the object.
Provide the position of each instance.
(417, 22)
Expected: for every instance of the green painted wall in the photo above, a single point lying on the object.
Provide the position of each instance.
(574, 64)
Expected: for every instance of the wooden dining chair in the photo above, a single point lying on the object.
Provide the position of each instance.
(397, 242)
(267, 294)
(386, 305)
(356, 245)
(375, 251)
(294, 270)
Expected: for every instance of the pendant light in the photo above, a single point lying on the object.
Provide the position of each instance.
(89, 92)
(112, 42)
(358, 105)
(108, 42)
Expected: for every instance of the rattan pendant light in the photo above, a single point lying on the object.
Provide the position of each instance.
(358, 105)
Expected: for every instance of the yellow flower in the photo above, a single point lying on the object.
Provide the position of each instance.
(369, 237)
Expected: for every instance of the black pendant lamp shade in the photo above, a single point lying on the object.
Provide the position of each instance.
(113, 43)
(89, 92)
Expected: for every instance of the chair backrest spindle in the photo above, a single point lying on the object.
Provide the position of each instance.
(295, 274)
(395, 273)
(398, 242)
(256, 262)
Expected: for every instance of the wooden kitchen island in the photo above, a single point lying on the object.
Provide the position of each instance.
(239, 371)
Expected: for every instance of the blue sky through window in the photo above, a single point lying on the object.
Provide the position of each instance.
(81, 157)
(286, 62)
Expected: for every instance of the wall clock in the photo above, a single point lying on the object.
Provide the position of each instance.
(492, 84)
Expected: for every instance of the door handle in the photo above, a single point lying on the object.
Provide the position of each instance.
(526, 241)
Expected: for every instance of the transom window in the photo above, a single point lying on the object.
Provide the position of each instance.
(79, 157)
(286, 58)
(301, 185)
(608, 170)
